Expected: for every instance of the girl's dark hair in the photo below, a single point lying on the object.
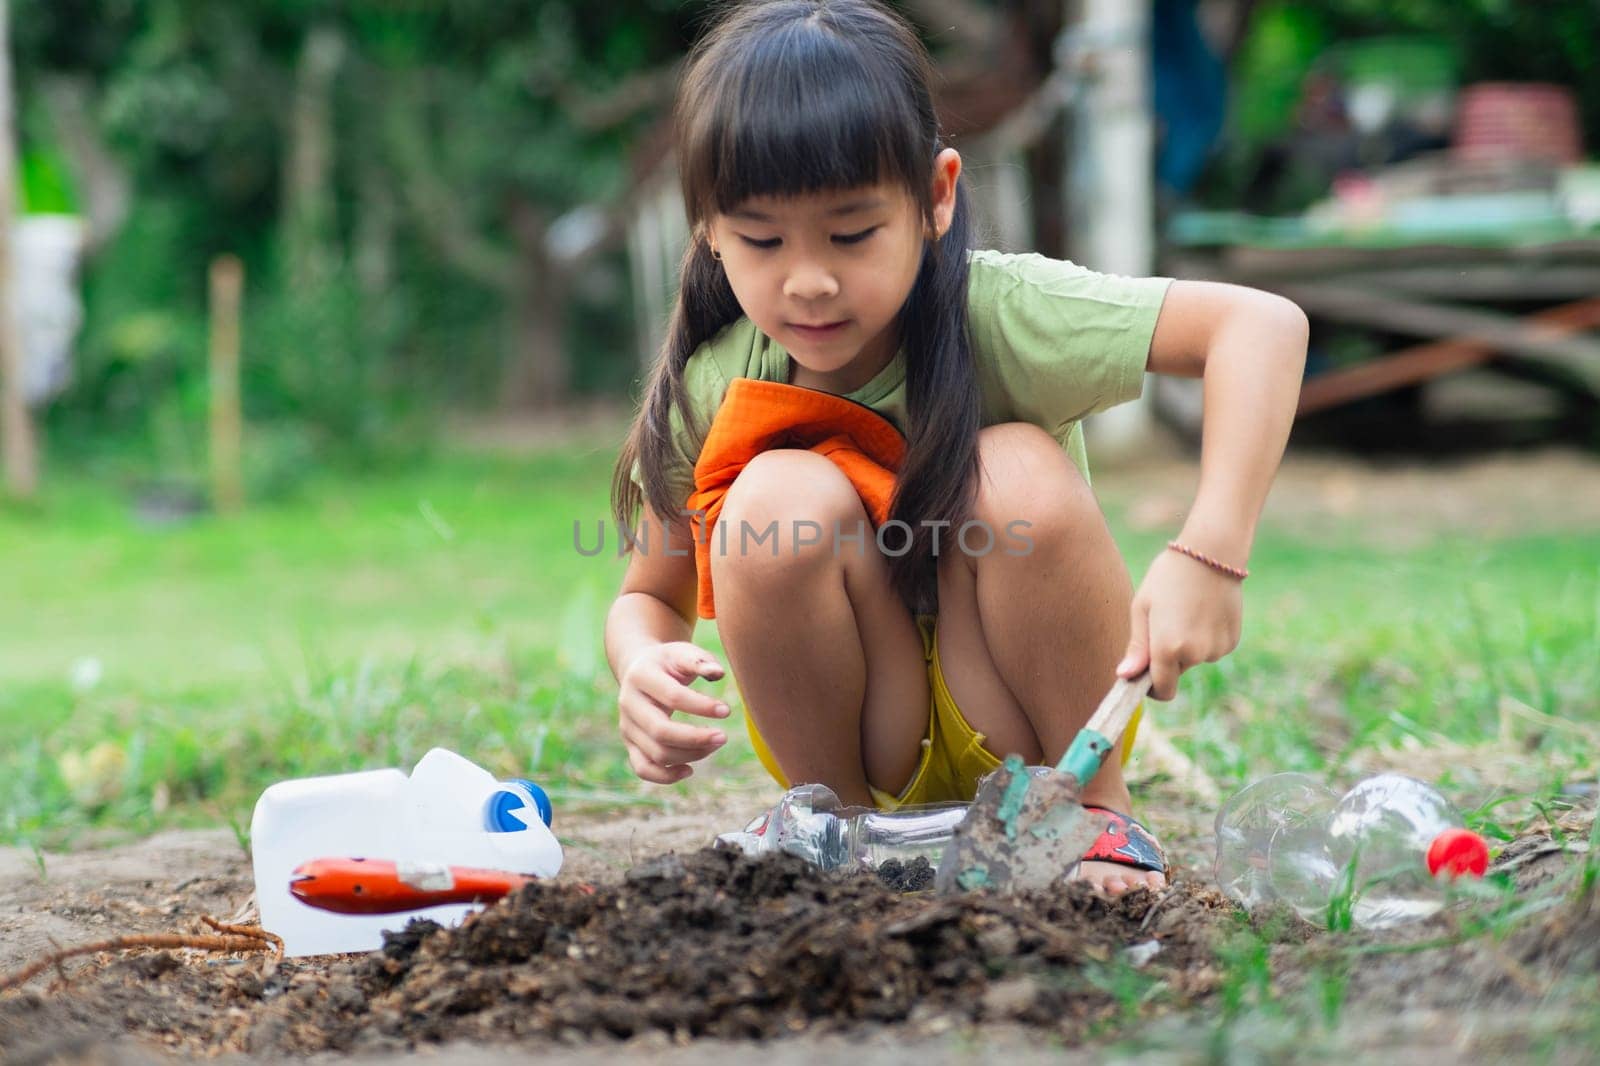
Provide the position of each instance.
(790, 97)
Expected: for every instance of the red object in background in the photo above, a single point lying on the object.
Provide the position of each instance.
(377, 886)
(1528, 121)
(1458, 852)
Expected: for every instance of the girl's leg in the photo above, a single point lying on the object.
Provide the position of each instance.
(1029, 643)
(828, 658)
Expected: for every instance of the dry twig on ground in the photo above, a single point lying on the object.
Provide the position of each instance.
(232, 938)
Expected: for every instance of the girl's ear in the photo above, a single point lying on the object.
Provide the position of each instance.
(703, 236)
(946, 171)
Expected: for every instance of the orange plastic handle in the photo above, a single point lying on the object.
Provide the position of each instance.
(379, 886)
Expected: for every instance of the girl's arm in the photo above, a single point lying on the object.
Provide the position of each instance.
(648, 633)
(1249, 347)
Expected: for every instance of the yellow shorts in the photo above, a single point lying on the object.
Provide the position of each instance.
(953, 755)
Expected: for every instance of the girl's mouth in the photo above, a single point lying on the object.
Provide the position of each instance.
(819, 331)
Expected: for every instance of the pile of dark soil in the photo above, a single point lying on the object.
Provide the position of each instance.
(712, 944)
(705, 944)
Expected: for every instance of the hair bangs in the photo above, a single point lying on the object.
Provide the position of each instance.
(799, 113)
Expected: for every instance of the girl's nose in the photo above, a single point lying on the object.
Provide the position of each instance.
(810, 282)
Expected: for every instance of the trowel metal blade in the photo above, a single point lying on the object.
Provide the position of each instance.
(1020, 835)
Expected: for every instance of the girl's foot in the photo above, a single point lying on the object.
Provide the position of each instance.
(1113, 879)
(1126, 856)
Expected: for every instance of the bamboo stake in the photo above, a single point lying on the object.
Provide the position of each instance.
(226, 423)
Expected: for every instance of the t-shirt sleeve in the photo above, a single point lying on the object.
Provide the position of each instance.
(1057, 340)
(706, 385)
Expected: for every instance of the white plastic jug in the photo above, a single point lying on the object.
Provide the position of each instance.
(448, 810)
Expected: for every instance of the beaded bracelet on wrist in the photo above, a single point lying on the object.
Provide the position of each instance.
(1235, 572)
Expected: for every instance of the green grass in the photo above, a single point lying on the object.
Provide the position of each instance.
(1348, 651)
(368, 618)
(357, 625)
(438, 560)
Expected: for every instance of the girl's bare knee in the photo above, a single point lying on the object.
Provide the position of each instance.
(783, 516)
(1026, 477)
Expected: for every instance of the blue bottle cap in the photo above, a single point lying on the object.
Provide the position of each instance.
(515, 795)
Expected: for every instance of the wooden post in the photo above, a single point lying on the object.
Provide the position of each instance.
(16, 426)
(227, 291)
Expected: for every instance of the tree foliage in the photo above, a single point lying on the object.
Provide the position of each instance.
(388, 169)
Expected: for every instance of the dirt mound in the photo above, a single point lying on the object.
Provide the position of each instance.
(705, 944)
(714, 944)
(711, 944)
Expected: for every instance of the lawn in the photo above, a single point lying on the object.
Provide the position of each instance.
(359, 623)
(153, 675)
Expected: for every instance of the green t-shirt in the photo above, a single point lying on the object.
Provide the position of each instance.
(1052, 342)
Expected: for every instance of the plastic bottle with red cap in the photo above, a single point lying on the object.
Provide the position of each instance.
(1386, 848)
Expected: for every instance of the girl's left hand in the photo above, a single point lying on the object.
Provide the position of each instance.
(1183, 614)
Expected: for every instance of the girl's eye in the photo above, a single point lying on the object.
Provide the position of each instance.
(857, 238)
(773, 242)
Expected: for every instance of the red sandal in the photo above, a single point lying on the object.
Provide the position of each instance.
(1127, 842)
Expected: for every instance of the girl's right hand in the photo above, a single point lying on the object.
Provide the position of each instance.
(655, 684)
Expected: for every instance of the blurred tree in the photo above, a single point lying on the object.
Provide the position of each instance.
(416, 186)
(427, 146)
(498, 120)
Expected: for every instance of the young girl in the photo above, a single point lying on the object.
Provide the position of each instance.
(840, 361)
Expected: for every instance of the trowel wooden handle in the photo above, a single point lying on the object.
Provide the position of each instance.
(1111, 717)
(1104, 728)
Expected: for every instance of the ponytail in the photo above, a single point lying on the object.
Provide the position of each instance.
(943, 409)
(705, 304)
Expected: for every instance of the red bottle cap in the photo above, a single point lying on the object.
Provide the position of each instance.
(1457, 852)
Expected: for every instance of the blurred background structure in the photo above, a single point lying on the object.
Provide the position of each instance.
(468, 209)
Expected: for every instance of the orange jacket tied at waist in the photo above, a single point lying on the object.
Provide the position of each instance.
(758, 416)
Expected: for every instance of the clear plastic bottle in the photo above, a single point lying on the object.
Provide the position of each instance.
(809, 821)
(1399, 836)
(1382, 848)
(1271, 841)
(447, 810)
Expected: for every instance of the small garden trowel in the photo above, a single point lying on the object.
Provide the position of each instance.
(1026, 827)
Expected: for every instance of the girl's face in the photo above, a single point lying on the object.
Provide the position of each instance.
(825, 275)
